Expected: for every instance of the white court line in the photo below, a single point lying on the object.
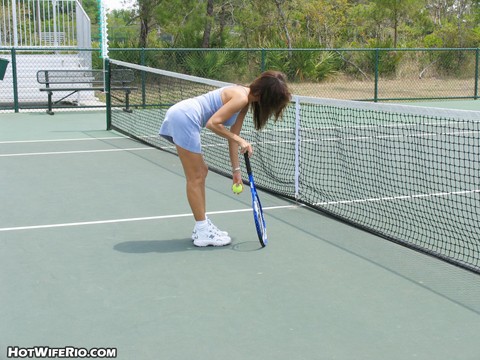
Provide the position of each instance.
(400, 197)
(396, 136)
(148, 218)
(62, 140)
(76, 152)
(161, 217)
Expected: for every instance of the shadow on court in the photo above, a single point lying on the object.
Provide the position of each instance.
(154, 246)
(169, 246)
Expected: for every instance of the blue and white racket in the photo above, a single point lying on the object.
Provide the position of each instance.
(257, 206)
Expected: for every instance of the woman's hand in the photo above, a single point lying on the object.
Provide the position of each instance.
(245, 147)
(237, 177)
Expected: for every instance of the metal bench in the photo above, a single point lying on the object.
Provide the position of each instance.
(48, 38)
(73, 81)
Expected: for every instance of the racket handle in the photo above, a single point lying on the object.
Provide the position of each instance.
(247, 163)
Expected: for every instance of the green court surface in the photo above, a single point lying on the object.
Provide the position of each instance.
(452, 104)
(95, 252)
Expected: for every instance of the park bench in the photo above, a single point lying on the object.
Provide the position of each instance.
(48, 38)
(74, 81)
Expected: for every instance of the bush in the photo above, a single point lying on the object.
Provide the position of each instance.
(304, 64)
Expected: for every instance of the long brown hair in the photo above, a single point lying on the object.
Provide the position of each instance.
(273, 95)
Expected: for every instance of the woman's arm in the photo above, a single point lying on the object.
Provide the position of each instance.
(236, 100)
(233, 147)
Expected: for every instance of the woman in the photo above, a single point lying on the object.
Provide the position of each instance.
(226, 107)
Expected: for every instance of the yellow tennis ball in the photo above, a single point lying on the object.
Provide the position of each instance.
(237, 188)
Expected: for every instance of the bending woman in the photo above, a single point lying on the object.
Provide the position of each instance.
(223, 112)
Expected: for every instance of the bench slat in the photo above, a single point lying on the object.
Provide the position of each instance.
(123, 76)
(73, 89)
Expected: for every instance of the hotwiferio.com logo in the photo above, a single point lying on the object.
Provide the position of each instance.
(45, 352)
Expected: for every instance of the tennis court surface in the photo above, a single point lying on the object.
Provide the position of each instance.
(95, 252)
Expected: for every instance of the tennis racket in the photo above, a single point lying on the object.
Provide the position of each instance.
(257, 206)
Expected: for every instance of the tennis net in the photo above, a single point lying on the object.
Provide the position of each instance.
(409, 174)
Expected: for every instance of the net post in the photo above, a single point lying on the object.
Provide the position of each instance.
(142, 62)
(107, 90)
(16, 105)
(102, 15)
(297, 146)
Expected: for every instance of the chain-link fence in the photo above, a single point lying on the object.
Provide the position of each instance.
(20, 89)
(356, 74)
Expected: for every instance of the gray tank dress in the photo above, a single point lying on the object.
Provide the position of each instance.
(185, 120)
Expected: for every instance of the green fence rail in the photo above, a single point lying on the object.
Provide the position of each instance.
(378, 74)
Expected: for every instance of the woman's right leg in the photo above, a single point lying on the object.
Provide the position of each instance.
(195, 169)
(196, 172)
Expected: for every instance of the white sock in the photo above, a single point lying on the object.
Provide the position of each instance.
(201, 225)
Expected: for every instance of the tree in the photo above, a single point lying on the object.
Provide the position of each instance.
(184, 20)
(323, 22)
(396, 11)
(255, 23)
(91, 8)
(208, 25)
(147, 19)
(283, 21)
(315, 23)
(120, 27)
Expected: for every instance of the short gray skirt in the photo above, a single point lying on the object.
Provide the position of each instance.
(182, 125)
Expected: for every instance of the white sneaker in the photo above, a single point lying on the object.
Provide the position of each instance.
(222, 233)
(216, 229)
(209, 237)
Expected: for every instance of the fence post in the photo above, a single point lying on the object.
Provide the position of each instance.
(15, 80)
(263, 60)
(142, 62)
(377, 60)
(476, 73)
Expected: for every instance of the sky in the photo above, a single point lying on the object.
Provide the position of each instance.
(115, 4)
